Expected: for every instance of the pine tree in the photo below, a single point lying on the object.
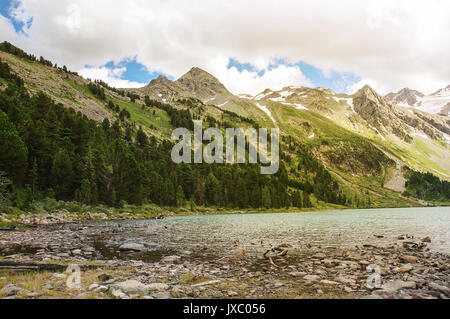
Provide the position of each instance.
(141, 138)
(266, 198)
(85, 192)
(14, 153)
(180, 196)
(61, 175)
(212, 187)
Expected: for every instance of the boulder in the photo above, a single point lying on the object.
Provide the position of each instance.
(9, 290)
(132, 287)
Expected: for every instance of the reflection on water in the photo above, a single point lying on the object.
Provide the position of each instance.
(257, 232)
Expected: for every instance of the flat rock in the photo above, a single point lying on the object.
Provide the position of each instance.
(405, 268)
(393, 286)
(132, 247)
(312, 278)
(329, 282)
(133, 287)
(298, 274)
(438, 287)
(170, 259)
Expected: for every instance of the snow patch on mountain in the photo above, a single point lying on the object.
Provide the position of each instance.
(266, 110)
(349, 101)
(297, 106)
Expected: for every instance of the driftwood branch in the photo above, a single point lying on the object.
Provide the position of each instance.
(17, 267)
(279, 251)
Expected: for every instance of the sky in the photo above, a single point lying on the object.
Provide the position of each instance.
(248, 45)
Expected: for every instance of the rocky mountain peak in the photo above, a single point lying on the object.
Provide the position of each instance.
(367, 92)
(160, 79)
(201, 84)
(197, 74)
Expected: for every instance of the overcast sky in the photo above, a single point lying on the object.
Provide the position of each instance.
(249, 45)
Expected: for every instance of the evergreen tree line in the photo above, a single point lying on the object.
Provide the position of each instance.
(107, 86)
(426, 186)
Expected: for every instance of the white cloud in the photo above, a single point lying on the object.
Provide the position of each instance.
(379, 88)
(111, 76)
(251, 83)
(396, 43)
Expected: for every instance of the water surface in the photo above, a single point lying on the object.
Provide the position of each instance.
(220, 234)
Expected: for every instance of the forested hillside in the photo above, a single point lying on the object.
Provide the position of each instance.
(53, 151)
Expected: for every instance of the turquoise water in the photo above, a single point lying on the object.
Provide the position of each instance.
(257, 232)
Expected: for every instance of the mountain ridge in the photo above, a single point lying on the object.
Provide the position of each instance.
(435, 103)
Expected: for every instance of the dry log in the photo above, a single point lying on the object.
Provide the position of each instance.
(13, 266)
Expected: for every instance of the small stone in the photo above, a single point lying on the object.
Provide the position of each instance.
(48, 287)
(162, 295)
(409, 259)
(93, 286)
(426, 240)
(100, 289)
(118, 293)
(405, 268)
(104, 277)
(278, 284)
(59, 276)
(348, 289)
(157, 287)
(328, 282)
(170, 259)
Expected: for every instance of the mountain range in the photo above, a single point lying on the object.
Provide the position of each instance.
(363, 140)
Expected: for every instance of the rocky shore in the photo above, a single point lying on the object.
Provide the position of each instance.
(33, 264)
